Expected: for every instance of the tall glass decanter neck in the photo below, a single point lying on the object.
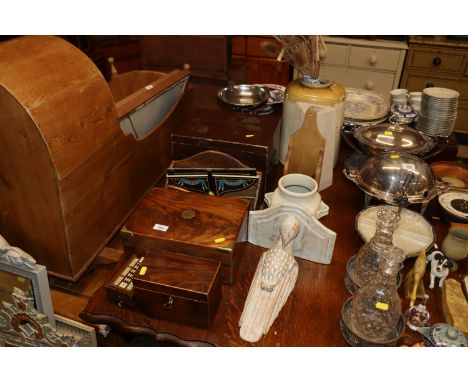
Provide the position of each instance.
(387, 222)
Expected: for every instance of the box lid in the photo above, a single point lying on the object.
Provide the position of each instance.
(255, 134)
(177, 275)
(188, 219)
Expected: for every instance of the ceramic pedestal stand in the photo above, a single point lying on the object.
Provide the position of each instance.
(296, 196)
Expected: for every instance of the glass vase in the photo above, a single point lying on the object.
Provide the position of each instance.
(368, 257)
(376, 307)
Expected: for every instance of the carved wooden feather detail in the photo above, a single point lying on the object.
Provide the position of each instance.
(273, 281)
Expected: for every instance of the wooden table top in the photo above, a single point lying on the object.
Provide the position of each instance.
(311, 314)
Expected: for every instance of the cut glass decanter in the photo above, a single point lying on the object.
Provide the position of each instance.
(376, 306)
(368, 257)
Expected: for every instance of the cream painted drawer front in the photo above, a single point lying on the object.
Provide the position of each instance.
(441, 61)
(379, 82)
(334, 55)
(372, 58)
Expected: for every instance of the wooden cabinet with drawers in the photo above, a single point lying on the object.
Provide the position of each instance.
(257, 54)
(366, 64)
(441, 63)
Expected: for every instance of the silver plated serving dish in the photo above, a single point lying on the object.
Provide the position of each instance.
(392, 137)
(243, 95)
(355, 340)
(413, 234)
(391, 176)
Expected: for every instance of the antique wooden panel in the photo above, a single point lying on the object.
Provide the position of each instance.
(28, 180)
(70, 176)
(170, 52)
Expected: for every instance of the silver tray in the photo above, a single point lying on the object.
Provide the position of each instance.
(243, 95)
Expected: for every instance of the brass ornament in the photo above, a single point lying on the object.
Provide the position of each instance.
(188, 214)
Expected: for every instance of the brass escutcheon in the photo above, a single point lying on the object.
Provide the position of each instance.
(168, 304)
(188, 214)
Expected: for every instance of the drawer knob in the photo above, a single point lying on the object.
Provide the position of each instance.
(437, 61)
(370, 85)
(186, 66)
(373, 59)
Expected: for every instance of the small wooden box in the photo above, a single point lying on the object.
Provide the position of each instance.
(190, 223)
(120, 288)
(253, 140)
(213, 160)
(179, 288)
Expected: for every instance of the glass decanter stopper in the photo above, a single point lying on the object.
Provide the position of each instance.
(368, 257)
(376, 307)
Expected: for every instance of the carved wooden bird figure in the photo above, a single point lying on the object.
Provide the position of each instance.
(273, 281)
(280, 258)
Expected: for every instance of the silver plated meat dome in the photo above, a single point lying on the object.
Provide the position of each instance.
(391, 175)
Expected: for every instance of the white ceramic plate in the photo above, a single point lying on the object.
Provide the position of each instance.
(276, 92)
(365, 105)
(441, 93)
(413, 234)
(446, 199)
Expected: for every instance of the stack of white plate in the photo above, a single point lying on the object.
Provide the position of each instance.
(438, 111)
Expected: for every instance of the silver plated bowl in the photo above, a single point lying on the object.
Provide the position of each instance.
(389, 176)
(243, 95)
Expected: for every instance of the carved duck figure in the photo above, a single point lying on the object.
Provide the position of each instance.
(272, 283)
(280, 258)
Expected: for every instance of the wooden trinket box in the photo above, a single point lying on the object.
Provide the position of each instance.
(179, 288)
(253, 140)
(189, 223)
(215, 161)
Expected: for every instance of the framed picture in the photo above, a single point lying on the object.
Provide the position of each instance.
(84, 335)
(23, 325)
(18, 269)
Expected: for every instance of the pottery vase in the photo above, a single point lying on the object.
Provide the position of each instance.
(455, 244)
(299, 190)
